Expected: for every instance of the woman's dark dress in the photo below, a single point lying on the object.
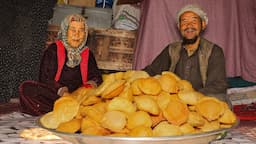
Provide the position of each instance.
(37, 97)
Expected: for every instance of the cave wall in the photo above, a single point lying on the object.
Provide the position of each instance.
(23, 34)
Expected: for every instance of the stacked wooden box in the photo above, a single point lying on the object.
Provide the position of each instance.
(113, 49)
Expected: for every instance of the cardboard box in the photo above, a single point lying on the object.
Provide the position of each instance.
(82, 3)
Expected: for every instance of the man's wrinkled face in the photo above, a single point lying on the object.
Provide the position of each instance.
(76, 33)
(190, 25)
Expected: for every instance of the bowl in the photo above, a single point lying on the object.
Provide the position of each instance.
(200, 138)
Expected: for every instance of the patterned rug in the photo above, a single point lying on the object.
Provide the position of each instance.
(12, 124)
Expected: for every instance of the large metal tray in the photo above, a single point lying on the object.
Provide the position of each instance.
(202, 138)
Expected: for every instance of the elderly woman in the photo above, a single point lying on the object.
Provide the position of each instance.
(66, 65)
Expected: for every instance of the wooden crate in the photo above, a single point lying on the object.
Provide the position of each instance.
(82, 3)
(113, 49)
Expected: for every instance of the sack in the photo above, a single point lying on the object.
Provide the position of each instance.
(126, 17)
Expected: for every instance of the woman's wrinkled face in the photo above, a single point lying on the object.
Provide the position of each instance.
(190, 25)
(76, 33)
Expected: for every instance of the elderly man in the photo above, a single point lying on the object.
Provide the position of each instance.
(193, 58)
(66, 65)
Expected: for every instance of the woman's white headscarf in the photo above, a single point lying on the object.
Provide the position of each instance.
(73, 54)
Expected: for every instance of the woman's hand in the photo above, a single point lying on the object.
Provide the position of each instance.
(62, 90)
(90, 84)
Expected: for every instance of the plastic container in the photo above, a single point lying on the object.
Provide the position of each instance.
(98, 17)
(61, 11)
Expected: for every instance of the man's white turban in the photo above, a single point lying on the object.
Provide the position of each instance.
(193, 8)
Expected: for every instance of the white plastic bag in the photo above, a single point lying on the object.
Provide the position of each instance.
(126, 17)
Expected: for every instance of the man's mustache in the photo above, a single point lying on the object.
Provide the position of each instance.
(190, 29)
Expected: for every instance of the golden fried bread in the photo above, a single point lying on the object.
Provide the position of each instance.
(96, 130)
(108, 80)
(184, 85)
(141, 131)
(150, 86)
(176, 112)
(119, 75)
(210, 126)
(130, 76)
(114, 89)
(101, 107)
(157, 119)
(138, 118)
(163, 99)
(71, 126)
(135, 87)
(147, 104)
(91, 100)
(66, 108)
(171, 74)
(166, 129)
(88, 122)
(228, 117)
(92, 112)
(189, 97)
(121, 104)
(209, 107)
(168, 83)
(134, 104)
(187, 128)
(127, 93)
(195, 119)
(114, 121)
(50, 120)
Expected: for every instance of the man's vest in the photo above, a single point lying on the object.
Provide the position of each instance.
(204, 53)
(61, 54)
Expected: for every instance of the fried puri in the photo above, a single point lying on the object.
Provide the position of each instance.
(176, 112)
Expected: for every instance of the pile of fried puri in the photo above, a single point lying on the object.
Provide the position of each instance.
(132, 103)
